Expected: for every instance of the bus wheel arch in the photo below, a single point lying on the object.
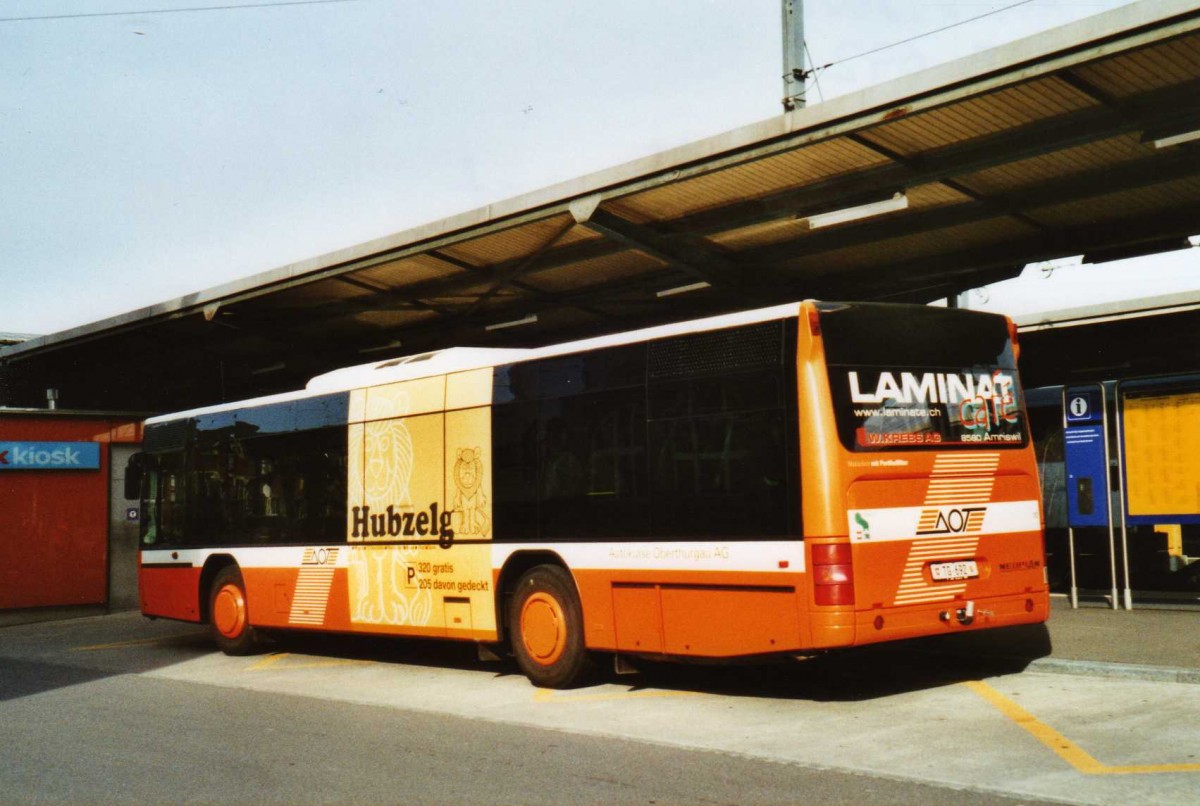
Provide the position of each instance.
(545, 626)
(226, 609)
(212, 567)
(513, 569)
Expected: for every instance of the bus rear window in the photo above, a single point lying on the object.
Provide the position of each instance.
(903, 377)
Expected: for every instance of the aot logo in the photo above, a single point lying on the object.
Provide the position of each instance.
(951, 521)
(49, 456)
(319, 557)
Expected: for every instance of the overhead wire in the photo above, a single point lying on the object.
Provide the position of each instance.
(144, 12)
(816, 69)
(816, 79)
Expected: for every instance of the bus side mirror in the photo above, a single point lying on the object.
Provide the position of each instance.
(135, 471)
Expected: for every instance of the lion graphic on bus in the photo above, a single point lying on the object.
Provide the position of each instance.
(470, 503)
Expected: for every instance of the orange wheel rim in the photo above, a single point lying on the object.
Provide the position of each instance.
(543, 628)
(229, 611)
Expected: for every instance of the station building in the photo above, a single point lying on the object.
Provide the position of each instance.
(68, 536)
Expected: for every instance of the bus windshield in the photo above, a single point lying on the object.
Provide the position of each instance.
(905, 378)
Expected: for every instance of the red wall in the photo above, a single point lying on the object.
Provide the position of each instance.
(54, 523)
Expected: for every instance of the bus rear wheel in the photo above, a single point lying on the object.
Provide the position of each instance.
(546, 624)
(228, 614)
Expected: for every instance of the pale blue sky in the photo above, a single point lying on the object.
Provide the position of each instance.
(151, 155)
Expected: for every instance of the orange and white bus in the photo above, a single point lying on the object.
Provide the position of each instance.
(778, 482)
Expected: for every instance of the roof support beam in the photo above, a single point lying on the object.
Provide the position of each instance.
(621, 295)
(374, 289)
(956, 186)
(521, 286)
(503, 279)
(676, 251)
(1034, 139)
(1087, 88)
(923, 294)
(451, 286)
(1023, 204)
(951, 269)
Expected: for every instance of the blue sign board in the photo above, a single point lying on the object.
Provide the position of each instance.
(49, 456)
(1087, 475)
(1083, 406)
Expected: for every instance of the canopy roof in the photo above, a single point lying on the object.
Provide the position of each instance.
(1060, 144)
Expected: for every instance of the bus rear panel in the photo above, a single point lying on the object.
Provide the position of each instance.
(916, 424)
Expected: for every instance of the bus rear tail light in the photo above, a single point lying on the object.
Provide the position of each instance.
(1012, 336)
(833, 574)
(814, 322)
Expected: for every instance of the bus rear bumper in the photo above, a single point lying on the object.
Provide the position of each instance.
(950, 617)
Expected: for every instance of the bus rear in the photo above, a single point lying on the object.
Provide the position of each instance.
(921, 496)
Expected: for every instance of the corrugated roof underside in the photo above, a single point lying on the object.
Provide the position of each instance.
(748, 180)
(1034, 171)
(1129, 74)
(1123, 204)
(907, 247)
(979, 116)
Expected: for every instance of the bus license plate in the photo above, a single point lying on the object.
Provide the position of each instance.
(963, 569)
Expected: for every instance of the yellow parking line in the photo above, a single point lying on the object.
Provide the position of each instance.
(1070, 752)
(550, 695)
(267, 660)
(137, 642)
(323, 663)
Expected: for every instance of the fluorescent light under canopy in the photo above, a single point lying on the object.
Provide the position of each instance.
(525, 320)
(898, 201)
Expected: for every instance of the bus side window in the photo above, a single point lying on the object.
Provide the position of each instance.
(592, 466)
(515, 475)
(720, 457)
(150, 508)
(244, 488)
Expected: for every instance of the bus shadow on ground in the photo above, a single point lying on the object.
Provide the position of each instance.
(855, 674)
(429, 652)
(868, 672)
(23, 678)
(40, 656)
(73, 663)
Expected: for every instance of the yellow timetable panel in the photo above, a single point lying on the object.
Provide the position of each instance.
(1162, 454)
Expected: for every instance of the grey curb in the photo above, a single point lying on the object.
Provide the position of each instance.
(1121, 671)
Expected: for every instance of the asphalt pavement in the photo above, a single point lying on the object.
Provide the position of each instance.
(1150, 642)
(890, 723)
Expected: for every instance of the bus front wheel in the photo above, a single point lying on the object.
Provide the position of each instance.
(228, 614)
(546, 623)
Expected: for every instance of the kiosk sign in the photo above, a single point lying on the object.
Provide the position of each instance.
(49, 456)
